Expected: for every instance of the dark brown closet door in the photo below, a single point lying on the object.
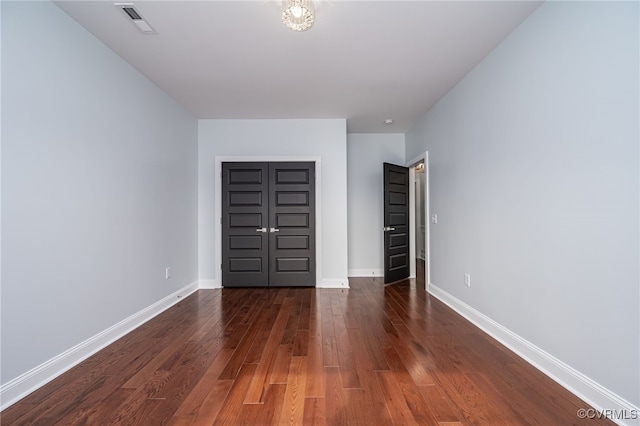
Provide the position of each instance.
(292, 224)
(245, 224)
(268, 224)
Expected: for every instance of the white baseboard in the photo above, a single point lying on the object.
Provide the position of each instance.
(16, 389)
(333, 283)
(594, 394)
(208, 284)
(366, 273)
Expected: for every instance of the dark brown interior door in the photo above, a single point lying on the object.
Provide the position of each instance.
(268, 224)
(292, 220)
(396, 222)
(245, 224)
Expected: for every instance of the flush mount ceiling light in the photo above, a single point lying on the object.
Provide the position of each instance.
(298, 15)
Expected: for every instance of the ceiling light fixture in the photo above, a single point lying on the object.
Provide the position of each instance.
(298, 15)
(388, 121)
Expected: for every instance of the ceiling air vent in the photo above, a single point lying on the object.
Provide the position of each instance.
(134, 16)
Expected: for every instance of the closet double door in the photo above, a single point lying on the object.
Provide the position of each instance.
(268, 224)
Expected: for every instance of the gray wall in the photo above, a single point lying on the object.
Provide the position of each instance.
(535, 180)
(325, 139)
(99, 188)
(365, 155)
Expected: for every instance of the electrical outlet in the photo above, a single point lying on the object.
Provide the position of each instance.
(167, 273)
(467, 280)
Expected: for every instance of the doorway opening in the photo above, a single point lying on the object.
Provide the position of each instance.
(420, 265)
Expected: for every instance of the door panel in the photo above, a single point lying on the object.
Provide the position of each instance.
(245, 198)
(245, 242)
(292, 220)
(292, 246)
(396, 222)
(268, 224)
(245, 215)
(300, 242)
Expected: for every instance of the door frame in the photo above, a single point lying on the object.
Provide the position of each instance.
(266, 159)
(422, 158)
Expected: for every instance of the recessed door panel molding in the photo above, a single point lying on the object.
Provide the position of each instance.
(300, 242)
(398, 241)
(396, 223)
(268, 224)
(248, 176)
(293, 176)
(398, 219)
(244, 265)
(292, 198)
(237, 242)
(398, 261)
(297, 220)
(284, 264)
(397, 177)
(244, 220)
(397, 198)
(245, 198)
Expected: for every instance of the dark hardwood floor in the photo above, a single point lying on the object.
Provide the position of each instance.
(370, 355)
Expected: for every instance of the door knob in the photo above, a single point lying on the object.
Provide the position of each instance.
(388, 228)
(274, 230)
(261, 230)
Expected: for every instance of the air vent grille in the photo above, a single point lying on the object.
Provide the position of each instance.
(136, 17)
(132, 13)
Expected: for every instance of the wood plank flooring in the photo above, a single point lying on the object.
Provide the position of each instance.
(369, 355)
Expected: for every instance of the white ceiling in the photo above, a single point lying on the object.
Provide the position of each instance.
(365, 61)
